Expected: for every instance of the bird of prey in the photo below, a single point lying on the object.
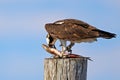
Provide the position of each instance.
(75, 31)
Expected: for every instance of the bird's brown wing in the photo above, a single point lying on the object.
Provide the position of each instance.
(71, 31)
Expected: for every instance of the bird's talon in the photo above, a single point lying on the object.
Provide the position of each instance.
(69, 50)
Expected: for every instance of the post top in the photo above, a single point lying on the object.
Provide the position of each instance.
(80, 58)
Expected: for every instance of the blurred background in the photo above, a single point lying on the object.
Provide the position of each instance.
(22, 33)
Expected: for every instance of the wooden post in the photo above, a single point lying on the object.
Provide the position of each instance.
(65, 69)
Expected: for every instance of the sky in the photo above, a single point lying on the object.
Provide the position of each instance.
(22, 33)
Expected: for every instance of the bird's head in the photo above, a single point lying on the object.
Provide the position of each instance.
(50, 41)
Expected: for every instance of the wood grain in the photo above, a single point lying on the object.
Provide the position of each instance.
(65, 69)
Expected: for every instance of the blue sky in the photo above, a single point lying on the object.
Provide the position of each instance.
(22, 33)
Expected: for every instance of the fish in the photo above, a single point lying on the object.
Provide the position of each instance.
(57, 53)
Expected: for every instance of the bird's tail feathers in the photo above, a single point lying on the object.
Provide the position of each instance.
(106, 35)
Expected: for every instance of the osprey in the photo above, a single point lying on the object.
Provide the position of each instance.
(75, 31)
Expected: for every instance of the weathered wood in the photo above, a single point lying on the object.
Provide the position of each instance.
(65, 69)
